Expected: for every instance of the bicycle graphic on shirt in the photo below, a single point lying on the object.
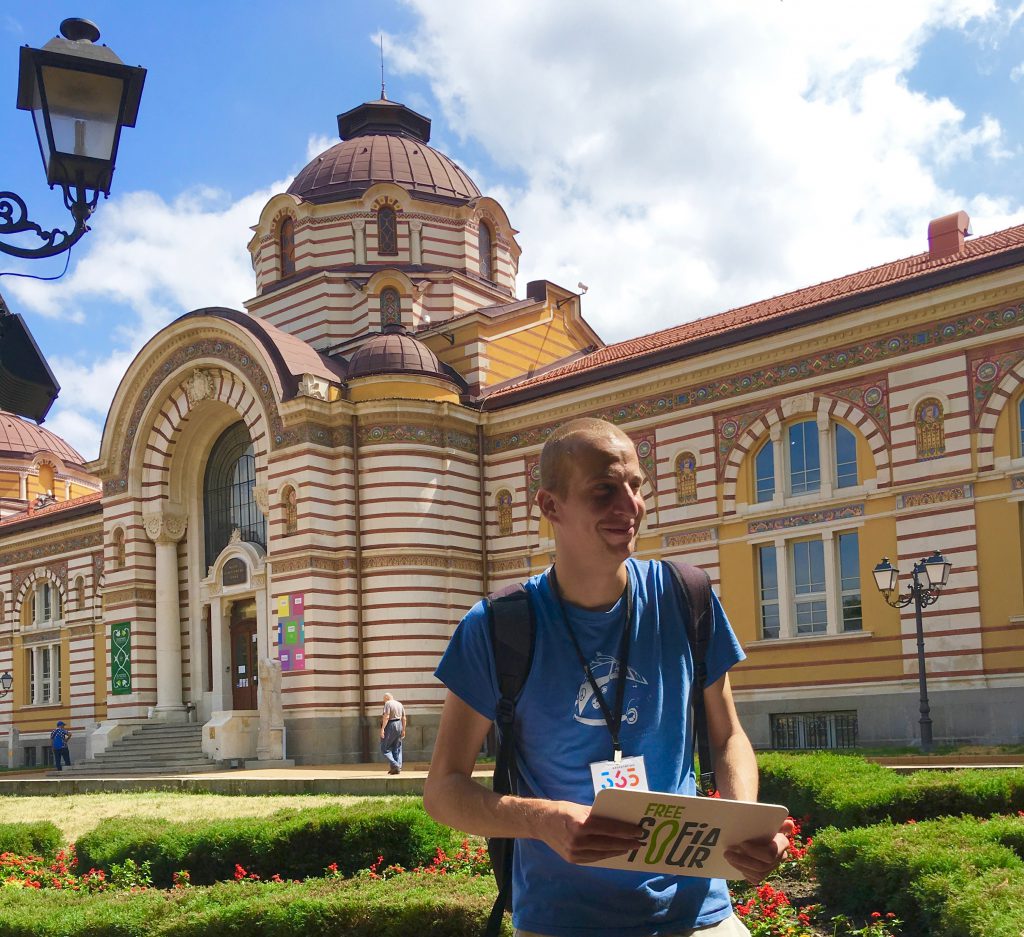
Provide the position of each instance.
(606, 670)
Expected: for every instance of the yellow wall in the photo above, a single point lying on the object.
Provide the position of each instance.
(10, 485)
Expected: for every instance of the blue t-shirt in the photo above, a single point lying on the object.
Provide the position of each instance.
(560, 730)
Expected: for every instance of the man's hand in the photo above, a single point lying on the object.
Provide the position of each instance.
(577, 836)
(382, 734)
(757, 858)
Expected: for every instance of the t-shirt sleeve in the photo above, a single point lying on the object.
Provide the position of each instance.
(467, 667)
(724, 649)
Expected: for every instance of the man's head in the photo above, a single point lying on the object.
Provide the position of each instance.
(60, 724)
(590, 490)
(388, 697)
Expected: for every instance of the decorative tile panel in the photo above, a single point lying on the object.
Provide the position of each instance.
(1017, 482)
(435, 436)
(687, 538)
(987, 370)
(943, 495)
(824, 516)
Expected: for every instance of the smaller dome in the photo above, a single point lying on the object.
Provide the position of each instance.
(21, 438)
(395, 351)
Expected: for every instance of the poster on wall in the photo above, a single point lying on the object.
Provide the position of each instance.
(121, 658)
(291, 631)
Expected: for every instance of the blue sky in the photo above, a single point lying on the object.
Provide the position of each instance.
(680, 158)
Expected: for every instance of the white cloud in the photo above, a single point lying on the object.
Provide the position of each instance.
(317, 143)
(685, 158)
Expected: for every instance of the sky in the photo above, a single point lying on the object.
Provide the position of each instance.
(678, 157)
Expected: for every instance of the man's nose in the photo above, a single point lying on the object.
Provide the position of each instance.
(629, 501)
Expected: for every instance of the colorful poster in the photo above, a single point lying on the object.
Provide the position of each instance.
(121, 658)
(290, 611)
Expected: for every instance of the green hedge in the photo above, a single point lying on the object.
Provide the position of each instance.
(957, 877)
(451, 906)
(293, 843)
(42, 838)
(847, 791)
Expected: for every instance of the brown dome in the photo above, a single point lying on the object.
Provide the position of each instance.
(19, 437)
(382, 142)
(395, 351)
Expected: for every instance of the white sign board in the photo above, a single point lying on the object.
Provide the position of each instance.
(686, 835)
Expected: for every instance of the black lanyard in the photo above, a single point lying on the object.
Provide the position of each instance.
(612, 720)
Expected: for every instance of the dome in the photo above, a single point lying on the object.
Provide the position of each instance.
(395, 351)
(20, 437)
(382, 142)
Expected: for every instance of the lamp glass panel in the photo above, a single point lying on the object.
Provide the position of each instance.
(84, 111)
(885, 578)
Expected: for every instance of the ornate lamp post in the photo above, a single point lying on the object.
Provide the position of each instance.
(929, 575)
(80, 95)
(6, 682)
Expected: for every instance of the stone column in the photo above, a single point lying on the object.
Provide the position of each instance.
(219, 662)
(166, 528)
(416, 241)
(359, 237)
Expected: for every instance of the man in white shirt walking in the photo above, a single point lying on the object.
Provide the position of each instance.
(392, 731)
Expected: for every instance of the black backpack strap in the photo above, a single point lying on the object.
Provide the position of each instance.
(694, 588)
(510, 615)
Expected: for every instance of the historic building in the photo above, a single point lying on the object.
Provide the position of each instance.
(300, 501)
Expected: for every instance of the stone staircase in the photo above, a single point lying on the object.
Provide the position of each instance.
(150, 749)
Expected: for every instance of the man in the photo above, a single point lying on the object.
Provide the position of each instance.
(593, 608)
(59, 739)
(392, 731)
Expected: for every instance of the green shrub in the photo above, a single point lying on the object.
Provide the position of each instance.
(427, 906)
(42, 838)
(920, 871)
(846, 791)
(292, 843)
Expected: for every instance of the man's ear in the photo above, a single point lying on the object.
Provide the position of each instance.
(548, 505)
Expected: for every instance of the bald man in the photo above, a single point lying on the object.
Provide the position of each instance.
(392, 731)
(594, 607)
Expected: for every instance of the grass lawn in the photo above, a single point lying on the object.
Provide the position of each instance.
(76, 814)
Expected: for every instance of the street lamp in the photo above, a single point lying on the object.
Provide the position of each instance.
(80, 95)
(929, 576)
(6, 682)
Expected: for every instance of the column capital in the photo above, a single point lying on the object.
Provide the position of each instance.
(165, 526)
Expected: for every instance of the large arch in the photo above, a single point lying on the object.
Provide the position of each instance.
(1001, 394)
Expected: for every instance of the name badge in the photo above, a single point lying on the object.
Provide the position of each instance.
(629, 774)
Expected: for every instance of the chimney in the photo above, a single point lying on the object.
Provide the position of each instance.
(946, 235)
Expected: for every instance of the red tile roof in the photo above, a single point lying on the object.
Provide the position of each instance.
(850, 286)
(55, 508)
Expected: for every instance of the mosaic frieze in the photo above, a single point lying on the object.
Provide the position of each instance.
(301, 564)
(420, 561)
(511, 564)
(815, 365)
(944, 495)
(1017, 482)
(870, 396)
(987, 370)
(39, 551)
(532, 480)
(688, 538)
(647, 454)
(729, 428)
(386, 433)
(133, 596)
(824, 516)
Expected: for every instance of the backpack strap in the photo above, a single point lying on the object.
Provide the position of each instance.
(512, 627)
(694, 588)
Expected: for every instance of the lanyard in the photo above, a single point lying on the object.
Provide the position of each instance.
(613, 721)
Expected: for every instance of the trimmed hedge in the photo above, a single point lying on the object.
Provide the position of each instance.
(847, 791)
(296, 843)
(450, 906)
(957, 877)
(42, 838)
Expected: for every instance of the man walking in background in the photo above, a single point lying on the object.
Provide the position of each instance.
(59, 739)
(392, 731)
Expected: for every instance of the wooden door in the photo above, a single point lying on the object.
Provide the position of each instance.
(243, 664)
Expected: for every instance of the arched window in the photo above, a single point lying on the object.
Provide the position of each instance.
(804, 458)
(290, 503)
(764, 473)
(846, 457)
(390, 307)
(686, 478)
(484, 249)
(229, 493)
(387, 231)
(43, 604)
(120, 560)
(1020, 428)
(286, 243)
(929, 429)
(46, 477)
(503, 499)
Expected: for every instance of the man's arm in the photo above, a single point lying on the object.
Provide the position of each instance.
(736, 776)
(403, 722)
(383, 722)
(451, 796)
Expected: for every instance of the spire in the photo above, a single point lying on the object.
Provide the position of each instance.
(383, 93)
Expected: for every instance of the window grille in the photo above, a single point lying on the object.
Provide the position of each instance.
(387, 231)
(484, 249)
(286, 237)
(229, 493)
(821, 730)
